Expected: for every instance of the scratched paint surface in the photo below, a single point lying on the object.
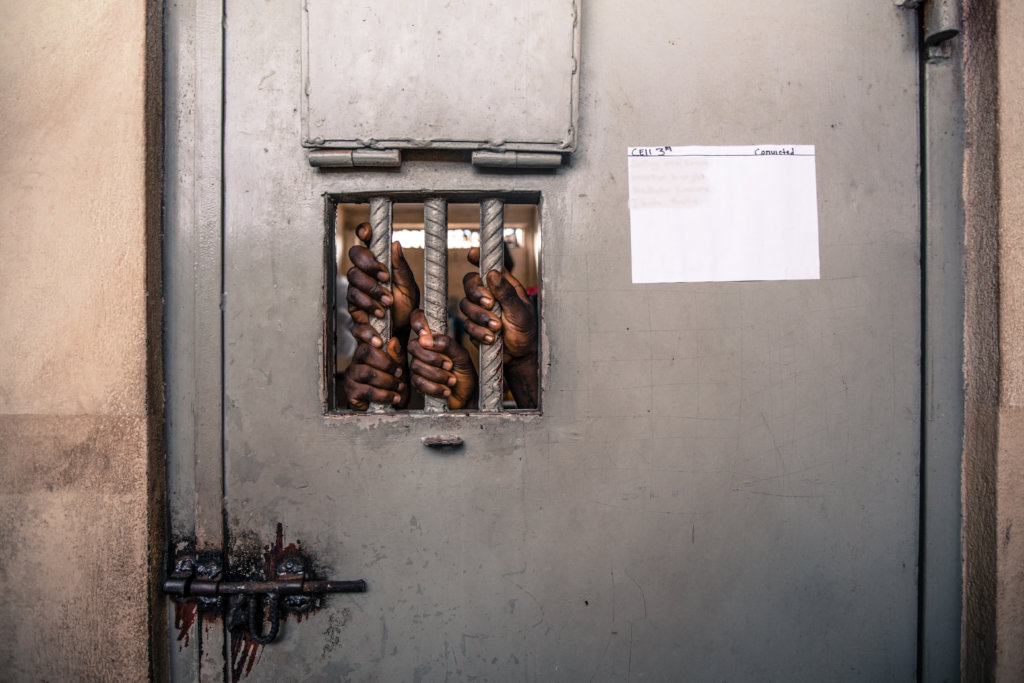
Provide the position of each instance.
(723, 482)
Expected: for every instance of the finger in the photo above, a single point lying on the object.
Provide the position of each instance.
(418, 322)
(429, 388)
(363, 259)
(364, 373)
(520, 290)
(478, 333)
(378, 359)
(396, 355)
(474, 255)
(367, 283)
(430, 373)
(420, 327)
(400, 269)
(480, 316)
(365, 232)
(359, 316)
(367, 335)
(449, 349)
(374, 291)
(504, 291)
(359, 300)
(360, 394)
(476, 290)
(417, 351)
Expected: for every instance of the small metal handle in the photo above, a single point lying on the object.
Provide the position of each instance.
(256, 626)
(442, 441)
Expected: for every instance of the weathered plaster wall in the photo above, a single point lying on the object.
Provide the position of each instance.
(79, 352)
(993, 627)
(981, 348)
(1010, 472)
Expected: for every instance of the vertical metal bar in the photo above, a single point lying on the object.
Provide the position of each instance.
(942, 382)
(435, 279)
(380, 246)
(492, 257)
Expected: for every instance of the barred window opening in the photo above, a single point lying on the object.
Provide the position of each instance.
(437, 237)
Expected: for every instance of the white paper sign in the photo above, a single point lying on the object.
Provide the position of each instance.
(715, 214)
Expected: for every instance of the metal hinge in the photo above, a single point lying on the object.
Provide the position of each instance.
(517, 159)
(349, 158)
(941, 19)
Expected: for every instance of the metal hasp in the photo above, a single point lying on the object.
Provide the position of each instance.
(244, 608)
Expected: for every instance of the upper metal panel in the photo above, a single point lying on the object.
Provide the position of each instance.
(441, 74)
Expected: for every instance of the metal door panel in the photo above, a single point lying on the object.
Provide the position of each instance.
(723, 482)
(475, 74)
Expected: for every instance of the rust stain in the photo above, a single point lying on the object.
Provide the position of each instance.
(184, 617)
(276, 555)
(278, 561)
(245, 653)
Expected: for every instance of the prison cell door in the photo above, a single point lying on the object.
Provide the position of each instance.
(722, 481)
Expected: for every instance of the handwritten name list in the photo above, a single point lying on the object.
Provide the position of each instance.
(713, 214)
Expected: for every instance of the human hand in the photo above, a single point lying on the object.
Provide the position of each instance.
(439, 366)
(375, 373)
(368, 295)
(518, 320)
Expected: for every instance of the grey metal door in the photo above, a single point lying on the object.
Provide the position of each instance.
(723, 481)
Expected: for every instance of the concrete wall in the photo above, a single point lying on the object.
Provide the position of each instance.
(981, 340)
(80, 441)
(993, 494)
(1010, 460)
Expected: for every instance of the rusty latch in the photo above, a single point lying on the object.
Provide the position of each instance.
(247, 596)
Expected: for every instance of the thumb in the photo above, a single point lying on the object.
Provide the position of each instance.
(420, 328)
(504, 291)
(400, 270)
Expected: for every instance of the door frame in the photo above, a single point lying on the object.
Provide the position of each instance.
(193, 324)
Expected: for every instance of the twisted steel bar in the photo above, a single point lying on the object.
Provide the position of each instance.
(435, 279)
(380, 246)
(492, 257)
